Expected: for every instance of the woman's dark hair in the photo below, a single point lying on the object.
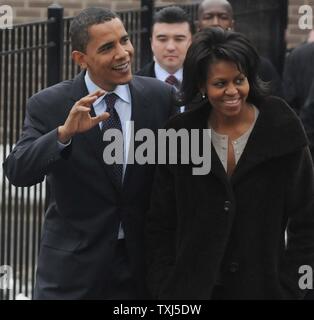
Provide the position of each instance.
(215, 44)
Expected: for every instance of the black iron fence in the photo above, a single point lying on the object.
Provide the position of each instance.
(36, 55)
(23, 71)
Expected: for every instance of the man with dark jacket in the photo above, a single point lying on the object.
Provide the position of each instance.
(307, 117)
(92, 240)
(171, 37)
(298, 75)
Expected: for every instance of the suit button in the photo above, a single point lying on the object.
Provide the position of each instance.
(227, 205)
(233, 267)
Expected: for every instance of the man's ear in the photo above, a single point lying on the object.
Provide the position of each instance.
(151, 42)
(198, 25)
(79, 58)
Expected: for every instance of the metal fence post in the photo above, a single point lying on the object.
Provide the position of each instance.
(147, 7)
(55, 37)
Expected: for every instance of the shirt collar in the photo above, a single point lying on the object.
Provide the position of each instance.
(162, 74)
(122, 91)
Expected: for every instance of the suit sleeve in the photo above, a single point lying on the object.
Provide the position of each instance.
(300, 230)
(289, 85)
(161, 230)
(307, 117)
(269, 74)
(35, 152)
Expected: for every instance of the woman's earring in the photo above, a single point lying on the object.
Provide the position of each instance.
(203, 95)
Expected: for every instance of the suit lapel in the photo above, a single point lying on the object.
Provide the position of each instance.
(152, 70)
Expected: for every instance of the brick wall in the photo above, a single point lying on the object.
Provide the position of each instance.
(34, 10)
(294, 34)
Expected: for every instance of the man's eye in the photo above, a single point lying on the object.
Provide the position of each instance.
(105, 48)
(219, 84)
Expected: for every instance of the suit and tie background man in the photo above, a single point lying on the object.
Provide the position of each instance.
(92, 239)
(172, 32)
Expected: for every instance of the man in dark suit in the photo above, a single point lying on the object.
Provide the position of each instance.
(307, 117)
(92, 242)
(172, 32)
(219, 13)
(298, 76)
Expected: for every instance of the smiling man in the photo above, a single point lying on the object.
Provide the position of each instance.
(92, 243)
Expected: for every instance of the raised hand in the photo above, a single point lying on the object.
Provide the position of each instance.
(79, 119)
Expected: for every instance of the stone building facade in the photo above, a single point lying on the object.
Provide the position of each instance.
(295, 35)
(34, 10)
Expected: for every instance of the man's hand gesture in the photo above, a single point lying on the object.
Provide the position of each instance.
(79, 119)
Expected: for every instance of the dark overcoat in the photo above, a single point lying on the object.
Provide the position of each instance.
(211, 230)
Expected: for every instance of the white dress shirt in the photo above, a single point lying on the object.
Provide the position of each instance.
(123, 107)
(162, 75)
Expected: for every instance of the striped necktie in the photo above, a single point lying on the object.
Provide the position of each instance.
(172, 80)
(113, 122)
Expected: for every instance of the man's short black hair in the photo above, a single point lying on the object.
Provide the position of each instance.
(83, 21)
(173, 14)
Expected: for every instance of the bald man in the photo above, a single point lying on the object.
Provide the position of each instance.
(219, 13)
(214, 13)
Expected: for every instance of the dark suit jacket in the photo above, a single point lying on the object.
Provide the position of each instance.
(85, 206)
(307, 117)
(148, 70)
(298, 75)
(208, 230)
(269, 74)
